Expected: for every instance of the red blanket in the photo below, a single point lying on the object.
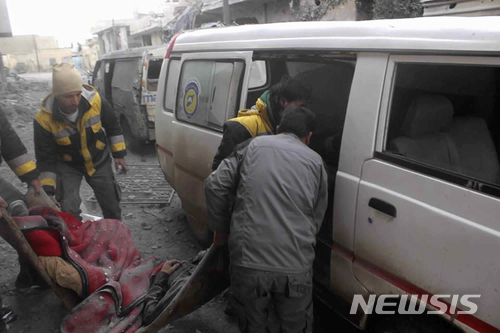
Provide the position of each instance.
(104, 254)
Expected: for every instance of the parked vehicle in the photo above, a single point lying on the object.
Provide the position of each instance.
(21, 68)
(409, 129)
(128, 80)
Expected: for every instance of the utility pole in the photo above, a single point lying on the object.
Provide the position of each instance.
(225, 12)
(113, 36)
(3, 75)
(36, 53)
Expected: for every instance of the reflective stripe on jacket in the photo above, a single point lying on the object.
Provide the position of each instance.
(14, 152)
(248, 124)
(81, 144)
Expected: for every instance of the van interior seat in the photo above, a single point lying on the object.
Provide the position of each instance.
(431, 134)
(423, 131)
(477, 156)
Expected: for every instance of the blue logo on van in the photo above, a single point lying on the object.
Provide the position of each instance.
(191, 93)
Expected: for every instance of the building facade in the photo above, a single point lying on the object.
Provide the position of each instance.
(36, 53)
(115, 35)
(265, 11)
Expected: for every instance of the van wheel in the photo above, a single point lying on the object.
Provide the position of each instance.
(130, 141)
(203, 235)
(413, 324)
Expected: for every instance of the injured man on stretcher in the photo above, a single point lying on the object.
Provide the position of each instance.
(99, 262)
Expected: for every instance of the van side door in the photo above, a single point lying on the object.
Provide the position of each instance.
(428, 204)
(165, 105)
(212, 87)
(126, 91)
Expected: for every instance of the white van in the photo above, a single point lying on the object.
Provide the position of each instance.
(409, 129)
(128, 79)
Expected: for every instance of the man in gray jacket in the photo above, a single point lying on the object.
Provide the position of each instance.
(268, 199)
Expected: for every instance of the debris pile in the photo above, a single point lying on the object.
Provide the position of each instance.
(20, 99)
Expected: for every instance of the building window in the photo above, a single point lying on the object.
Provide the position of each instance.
(146, 40)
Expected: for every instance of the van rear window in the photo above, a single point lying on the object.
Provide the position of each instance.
(154, 69)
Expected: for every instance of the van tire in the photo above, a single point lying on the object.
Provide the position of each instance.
(413, 324)
(131, 143)
(203, 234)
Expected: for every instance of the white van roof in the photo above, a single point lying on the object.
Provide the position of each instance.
(159, 52)
(429, 34)
(153, 51)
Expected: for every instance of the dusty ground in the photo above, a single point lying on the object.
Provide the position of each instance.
(159, 231)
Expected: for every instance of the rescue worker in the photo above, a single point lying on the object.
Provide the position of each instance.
(73, 131)
(279, 189)
(15, 154)
(13, 151)
(263, 117)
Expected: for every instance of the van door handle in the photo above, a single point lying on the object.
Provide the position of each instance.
(383, 207)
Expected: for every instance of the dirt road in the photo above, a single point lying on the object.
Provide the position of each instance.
(159, 230)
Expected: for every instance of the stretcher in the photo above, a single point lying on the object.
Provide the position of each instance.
(209, 278)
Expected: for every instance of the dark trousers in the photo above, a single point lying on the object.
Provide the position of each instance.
(256, 292)
(103, 182)
(9, 192)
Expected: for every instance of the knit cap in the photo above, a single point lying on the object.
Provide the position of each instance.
(65, 79)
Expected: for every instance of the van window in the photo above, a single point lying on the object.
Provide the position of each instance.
(98, 73)
(258, 75)
(444, 121)
(126, 73)
(174, 66)
(154, 69)
(208, 92)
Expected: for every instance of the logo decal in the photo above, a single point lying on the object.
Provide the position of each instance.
(191, 93)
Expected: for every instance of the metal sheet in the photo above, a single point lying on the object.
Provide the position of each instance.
(143, 184)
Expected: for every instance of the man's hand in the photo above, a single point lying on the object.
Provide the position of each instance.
(36, 185)
(121, 165)
(3, 203)
(170, 266)
(220, 239)
(53, 198)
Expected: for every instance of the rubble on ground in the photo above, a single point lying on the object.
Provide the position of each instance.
(17, 101)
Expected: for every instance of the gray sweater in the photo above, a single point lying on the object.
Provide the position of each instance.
(279, 189)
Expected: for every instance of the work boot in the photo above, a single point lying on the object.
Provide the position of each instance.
(18, 208)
